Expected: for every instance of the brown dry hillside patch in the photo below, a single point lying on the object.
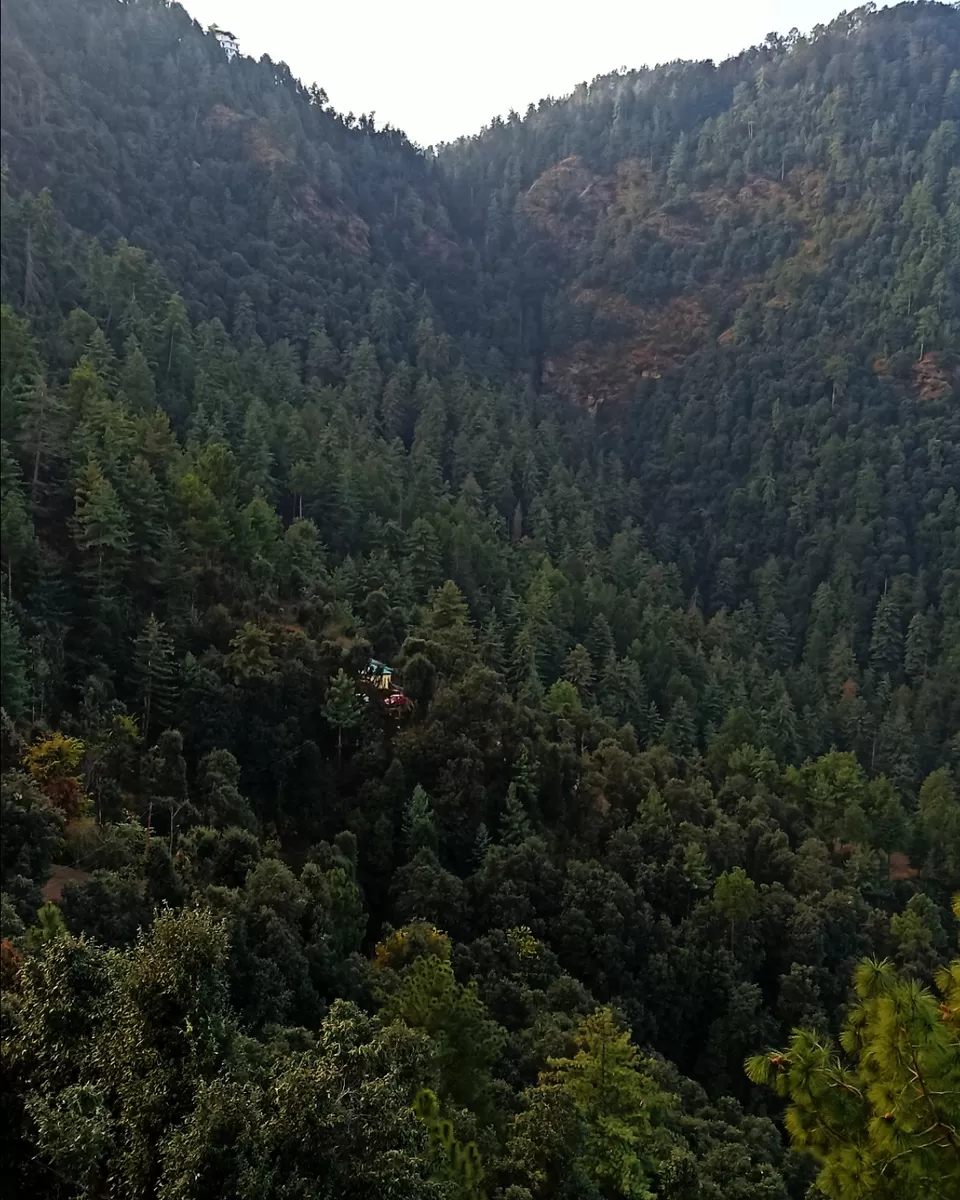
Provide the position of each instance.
(262, 142)
(793, 196)
(674, 228)
(933, 379)
(634, 192)
(221, 117)
(566, 200)
(263, 149)
(613, 306)
(657, 341)
(440, 246)
(882, 367)
(901, 868)
(757, 193)
(351, 231)
(60, 877)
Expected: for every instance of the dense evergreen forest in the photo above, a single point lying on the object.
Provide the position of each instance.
(480, 626)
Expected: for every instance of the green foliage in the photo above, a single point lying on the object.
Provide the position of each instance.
(153, 670)
(13, 665)
(343, 708)
(515, 825)
(880, 1118)
(619, 1109)
(16, 526)
(938, 810)
(562, 699)
(102, 535)
(49, 926)
(466, 1042)
(735, 895)
(419, 828)
(459, 1163)
(626, 431)
(223, 805)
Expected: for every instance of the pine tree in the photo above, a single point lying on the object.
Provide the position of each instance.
(619, 1107)
(176, 340)
(244, 324)
(886, 640)
(323, 360)
(16, 528)
(938, 813)
(136, 378)
(250, 658)
(881, 1118)
(600, 641)
(153, 673)
(896, 749)
(515, 824)
(396, 406)
(921, 938)
(301, 558)
(343, 709)
(735, 895)
(525, 777)
(163, 782)
(102, 534)
(563, 699)
(42, 431)
(218, 776)
(446, 624)
(724, 593)
(778, 725)
(653, 722)
(579, 670)
(481, 844)
(681, 732)
(101, 356)
(466, 1040)
(13, 664)
(256, 453)
(422, 556)
(919, 647)
(453, 1161)
(419, 827)
(492, 645)
(49, 927)
(364, 382)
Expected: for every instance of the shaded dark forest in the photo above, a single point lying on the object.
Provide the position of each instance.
(481, 627)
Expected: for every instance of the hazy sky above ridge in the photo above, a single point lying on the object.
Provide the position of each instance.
(438, 68)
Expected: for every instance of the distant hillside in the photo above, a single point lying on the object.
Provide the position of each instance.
(799, 191)
(802, 197)
(239, 180)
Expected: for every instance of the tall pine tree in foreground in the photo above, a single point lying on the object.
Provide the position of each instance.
(882, 1115)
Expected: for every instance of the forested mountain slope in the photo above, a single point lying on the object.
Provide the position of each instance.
(247, 187)
(752, 273)
(481, 631)
(799, 191)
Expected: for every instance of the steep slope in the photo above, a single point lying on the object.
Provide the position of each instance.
(803, 192)
(237, 179)
(750, 274)
(626, 436)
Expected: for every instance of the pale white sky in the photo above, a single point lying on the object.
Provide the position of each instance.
(439, 68)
